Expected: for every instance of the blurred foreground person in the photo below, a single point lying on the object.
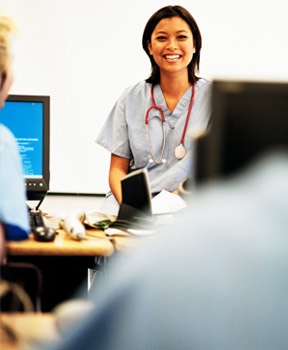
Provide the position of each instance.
(14, 224)
(216, 279)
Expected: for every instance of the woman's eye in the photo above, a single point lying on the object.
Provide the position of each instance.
(161, 38)
(182, 37)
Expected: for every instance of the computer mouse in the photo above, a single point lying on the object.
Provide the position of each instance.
(44, 234)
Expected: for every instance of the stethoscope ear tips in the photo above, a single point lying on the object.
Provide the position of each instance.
(164, 161)
(151, 161)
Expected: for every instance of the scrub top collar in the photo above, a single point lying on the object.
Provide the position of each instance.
(172, 117)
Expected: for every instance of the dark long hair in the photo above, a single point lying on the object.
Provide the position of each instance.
(168, 12)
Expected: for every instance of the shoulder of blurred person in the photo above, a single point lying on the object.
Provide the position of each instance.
(13, 208)
(215, 279)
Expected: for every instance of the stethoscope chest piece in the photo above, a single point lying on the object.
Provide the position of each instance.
(180, 151)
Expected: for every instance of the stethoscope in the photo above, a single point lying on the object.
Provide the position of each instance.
(180, 149)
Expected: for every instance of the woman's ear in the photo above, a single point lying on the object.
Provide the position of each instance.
(149, 48)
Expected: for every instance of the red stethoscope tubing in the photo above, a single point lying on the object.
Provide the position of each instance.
(179, 150)
(188, 115)
(162, 114)
(154, 107)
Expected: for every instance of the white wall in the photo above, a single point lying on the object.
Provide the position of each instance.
(84, 53)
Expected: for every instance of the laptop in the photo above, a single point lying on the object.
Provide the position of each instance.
(135, 211)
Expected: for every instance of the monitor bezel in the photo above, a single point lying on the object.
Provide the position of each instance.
(37, 188)
(211, 145)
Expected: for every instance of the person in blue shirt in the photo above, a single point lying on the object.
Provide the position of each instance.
(152, 122)
(14, 223)
(216, 278)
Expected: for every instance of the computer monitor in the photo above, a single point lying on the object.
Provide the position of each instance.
(28, 118)
(248, 119)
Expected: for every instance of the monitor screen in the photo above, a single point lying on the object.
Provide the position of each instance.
(28, 119)
(248, 119)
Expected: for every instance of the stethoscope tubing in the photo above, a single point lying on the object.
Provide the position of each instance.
(188, 115)
(154, 106)
(160, 161)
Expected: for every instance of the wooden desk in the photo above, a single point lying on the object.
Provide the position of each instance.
(63, 245)
(64, 263)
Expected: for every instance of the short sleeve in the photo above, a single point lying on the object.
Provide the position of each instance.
(202, 108)
(114, 134)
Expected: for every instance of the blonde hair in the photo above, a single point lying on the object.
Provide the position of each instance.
(7, 28)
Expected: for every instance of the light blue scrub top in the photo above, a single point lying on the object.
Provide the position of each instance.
(13, 208)
(123, 133)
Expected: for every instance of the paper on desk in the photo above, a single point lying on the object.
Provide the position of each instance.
(166, 202)
(135, 232)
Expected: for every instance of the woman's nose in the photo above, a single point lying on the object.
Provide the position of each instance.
(172, 44)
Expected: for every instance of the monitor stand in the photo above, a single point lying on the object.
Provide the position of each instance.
(36, 194)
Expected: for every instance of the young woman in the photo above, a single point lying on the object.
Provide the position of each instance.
(152, 122)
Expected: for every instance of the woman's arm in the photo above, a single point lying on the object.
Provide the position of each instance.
(2, 245)
(118, 169)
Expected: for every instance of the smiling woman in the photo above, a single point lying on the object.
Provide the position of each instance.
(150, 124)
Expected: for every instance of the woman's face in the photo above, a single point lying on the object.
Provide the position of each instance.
(172, 45)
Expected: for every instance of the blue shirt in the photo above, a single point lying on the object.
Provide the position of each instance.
(214, 279)
(123, 133)
(13, 208)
